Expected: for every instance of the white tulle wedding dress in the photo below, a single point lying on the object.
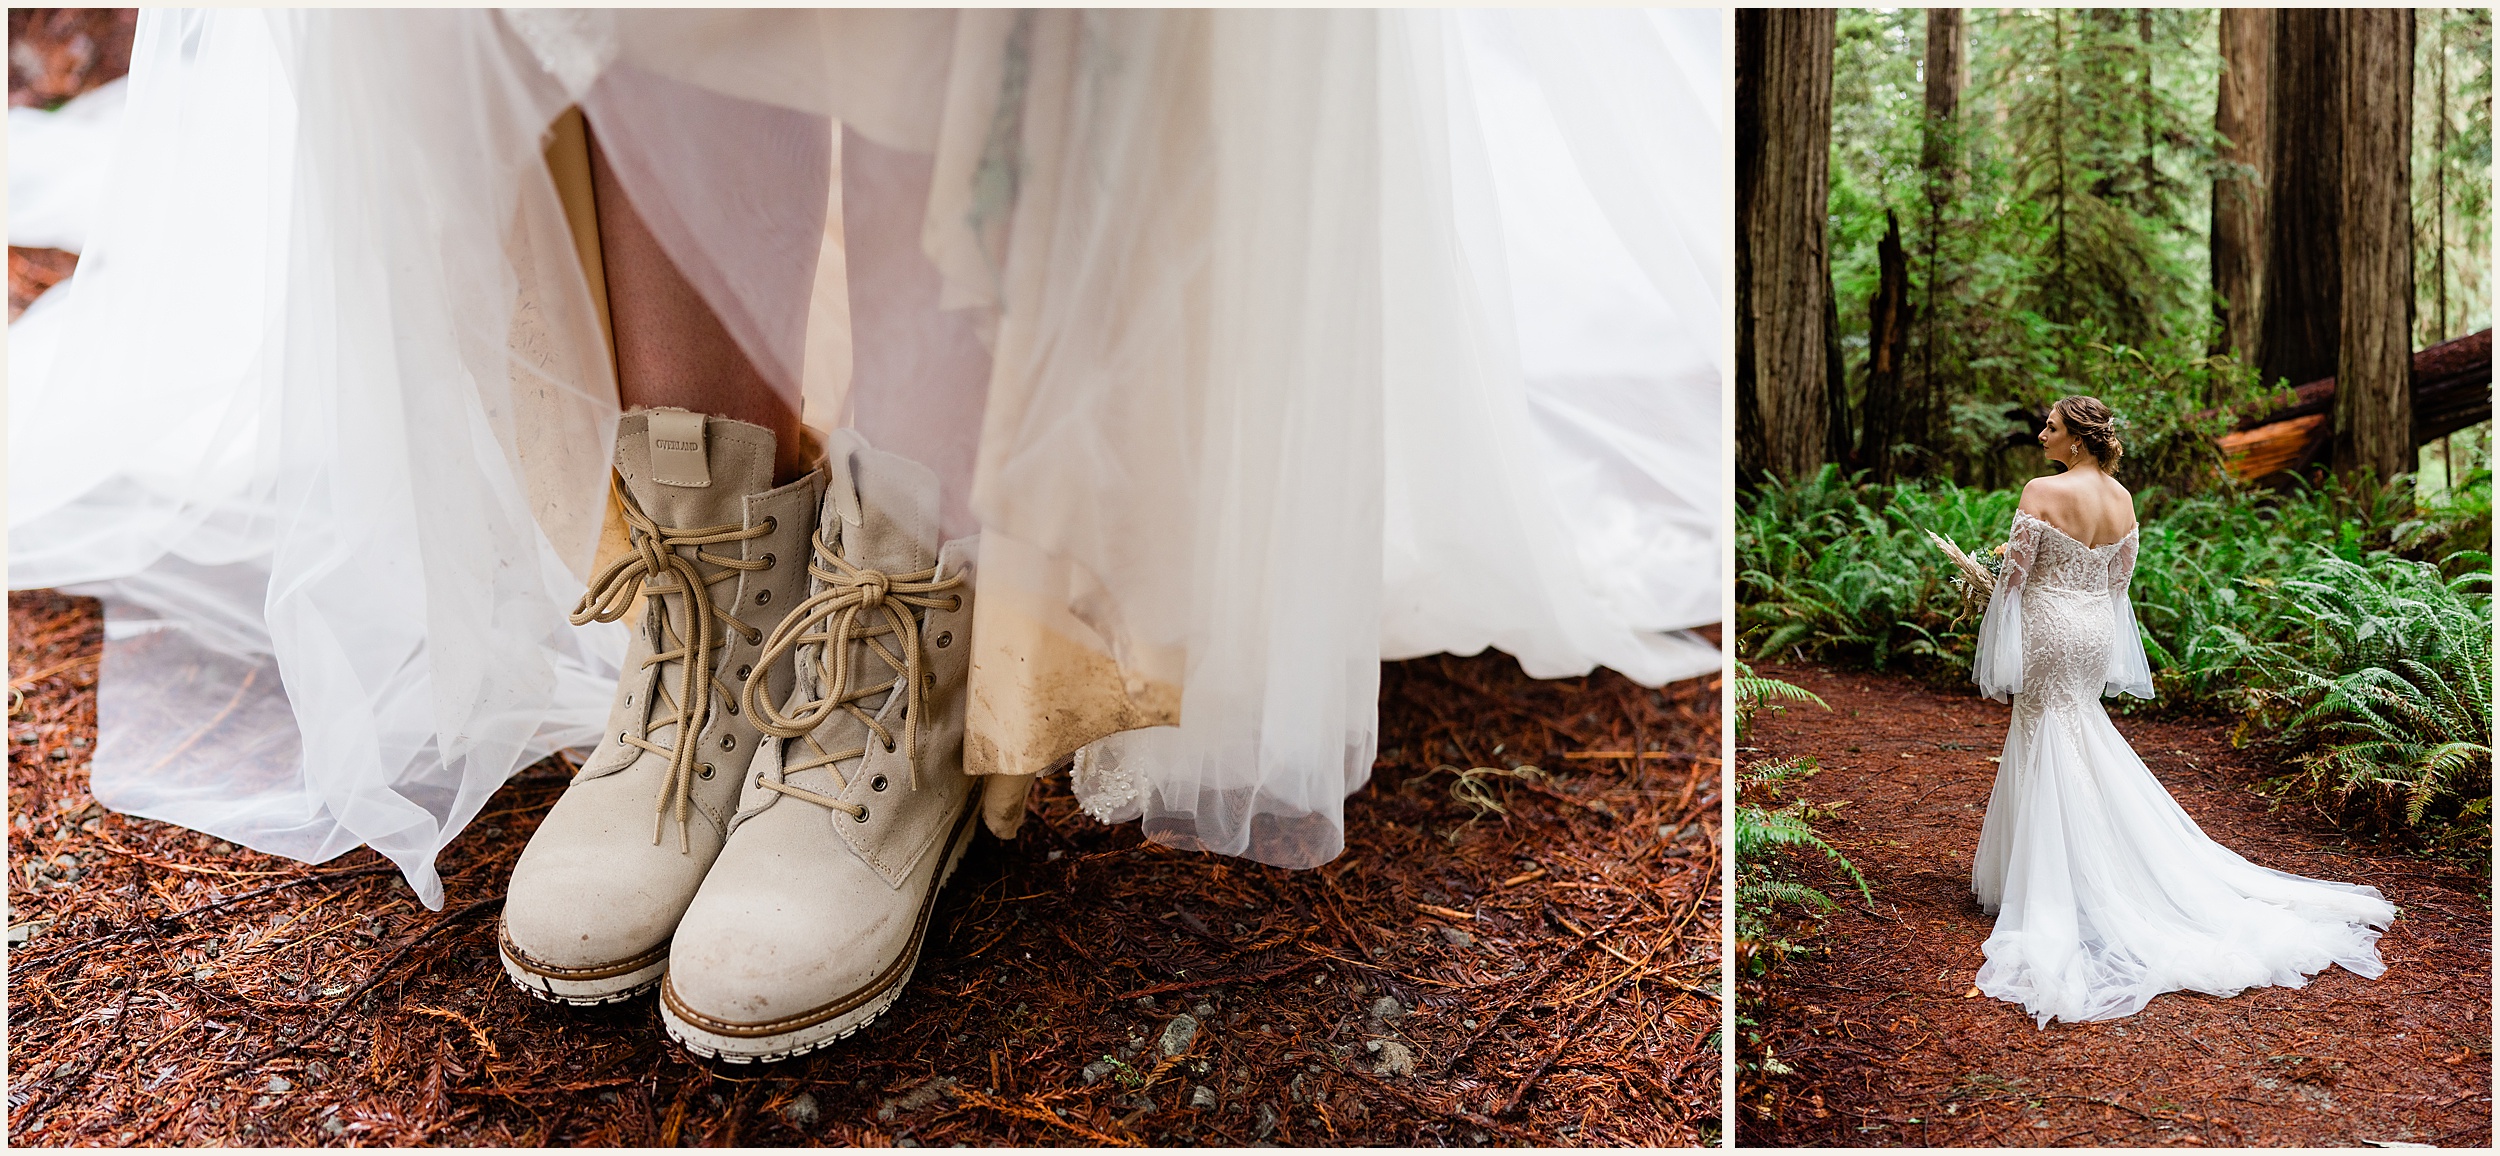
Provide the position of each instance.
(1313, 338)
(2106, 893)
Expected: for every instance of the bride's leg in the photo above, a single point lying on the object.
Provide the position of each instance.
(591, 904)
(671, 348)
(920, 375)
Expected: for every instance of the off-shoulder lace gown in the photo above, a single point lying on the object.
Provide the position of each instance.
(2106, 893)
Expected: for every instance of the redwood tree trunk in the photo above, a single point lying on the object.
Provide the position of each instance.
(1940, 160)
(1752, 455)
(2300, 319)
(2148, 166)
(1784, 122)
(2239, 200)
(1839, 433)
(1883, 416)
(2373, 376)
(1948, 69)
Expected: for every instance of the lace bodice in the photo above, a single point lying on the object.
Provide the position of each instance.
(2060, 624)
(2041, 555)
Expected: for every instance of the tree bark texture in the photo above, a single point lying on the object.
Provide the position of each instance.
(2300, 315)
(1839, 433)
(2373, 376)
(1947, 67)
(2147, 163)
(2239, 199)
(1752, 454)
(1948, 71)
(1886, 409)
(1783, 190)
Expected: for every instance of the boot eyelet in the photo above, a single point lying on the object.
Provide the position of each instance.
(733, 706)
(955, 603)
(629, 700)
(877, 784)
(729, 742)
(620, 736)
(744, 671)
(771, 523)
(769, 559)
(945, 639)
(763, 597)
(929, 681)
(860, 816)
(889, 748)
(705, 773)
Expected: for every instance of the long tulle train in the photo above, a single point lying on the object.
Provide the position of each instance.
(2108, 894)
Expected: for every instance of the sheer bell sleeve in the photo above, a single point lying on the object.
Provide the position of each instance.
(1998, 666)
(2129, 672)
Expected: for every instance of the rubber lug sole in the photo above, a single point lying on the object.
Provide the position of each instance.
(793, 1044)
(581, 992)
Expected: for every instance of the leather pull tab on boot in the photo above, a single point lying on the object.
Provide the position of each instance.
(677, 457)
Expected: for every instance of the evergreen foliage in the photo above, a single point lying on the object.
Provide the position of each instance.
(2391, 666)
(2064, 248)
(2451, 172)
(2345, 625)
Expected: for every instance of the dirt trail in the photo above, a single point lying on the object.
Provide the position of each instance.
(1886, 1048)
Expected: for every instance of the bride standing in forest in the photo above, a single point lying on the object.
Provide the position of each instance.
(2106, 893)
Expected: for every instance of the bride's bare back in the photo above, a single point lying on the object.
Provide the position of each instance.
(2084, 503)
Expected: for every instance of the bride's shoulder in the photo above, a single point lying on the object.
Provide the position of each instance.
(2121, 499)
(2042, 496)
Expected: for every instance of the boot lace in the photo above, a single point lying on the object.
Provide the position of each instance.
(855, 604)
(667, 565)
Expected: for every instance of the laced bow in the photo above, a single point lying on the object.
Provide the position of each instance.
(666, 565)
(842, 612)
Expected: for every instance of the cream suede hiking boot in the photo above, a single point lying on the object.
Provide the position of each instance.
(719, 558)
(813, 918)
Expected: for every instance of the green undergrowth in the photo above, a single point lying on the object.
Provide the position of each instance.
(2346, 628)
(1772, 829)
(1776, 912)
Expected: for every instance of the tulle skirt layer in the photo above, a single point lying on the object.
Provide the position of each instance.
(1314, 338)
(2107, 894)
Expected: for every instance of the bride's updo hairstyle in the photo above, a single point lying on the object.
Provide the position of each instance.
(2092, 423)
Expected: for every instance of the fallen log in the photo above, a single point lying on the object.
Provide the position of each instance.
(2451, 391)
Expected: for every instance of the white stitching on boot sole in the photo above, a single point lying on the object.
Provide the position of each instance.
(580, 986)
(805, 1038)
(578, 994)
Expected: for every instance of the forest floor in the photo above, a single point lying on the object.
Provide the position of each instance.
(1545, 973)
(1536, 966)
(1887, 1044)
(56, 54)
